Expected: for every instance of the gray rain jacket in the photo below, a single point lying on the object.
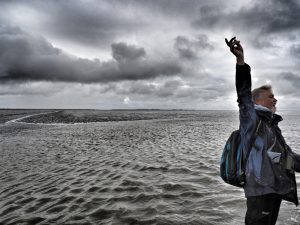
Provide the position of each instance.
(271, 164)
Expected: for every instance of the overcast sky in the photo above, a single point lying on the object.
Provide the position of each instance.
(167, 54)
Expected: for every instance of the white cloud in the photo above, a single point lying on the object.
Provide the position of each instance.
(126, 100)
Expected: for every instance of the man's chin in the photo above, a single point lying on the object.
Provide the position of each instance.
(274, 109)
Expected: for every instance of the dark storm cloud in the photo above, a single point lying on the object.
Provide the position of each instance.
(26, 57)
(89, 23)
(174, 8)
(295, 50)
(134, 65)
(263, 17)
(287, 83)
(291, 77)
(100, 22)
(190, 49)
(123, 52)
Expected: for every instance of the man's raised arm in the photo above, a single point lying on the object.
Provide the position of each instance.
(243, 87)
(243, 76)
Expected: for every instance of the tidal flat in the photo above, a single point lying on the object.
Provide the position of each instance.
(122, 167)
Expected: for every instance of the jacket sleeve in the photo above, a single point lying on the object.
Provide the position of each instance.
(243, 89)
(247, 112)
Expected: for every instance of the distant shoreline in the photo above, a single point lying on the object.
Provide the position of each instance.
(71, 116)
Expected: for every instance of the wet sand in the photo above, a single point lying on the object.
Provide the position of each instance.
(146, 171)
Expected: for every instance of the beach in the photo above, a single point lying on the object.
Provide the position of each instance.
(122, 167)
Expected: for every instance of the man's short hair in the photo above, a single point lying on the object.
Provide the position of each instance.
(257, 91)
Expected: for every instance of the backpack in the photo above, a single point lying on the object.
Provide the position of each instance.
(233, 162)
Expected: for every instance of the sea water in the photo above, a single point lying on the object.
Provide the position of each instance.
(154, 171)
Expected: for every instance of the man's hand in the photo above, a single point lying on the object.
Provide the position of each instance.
(236, 49)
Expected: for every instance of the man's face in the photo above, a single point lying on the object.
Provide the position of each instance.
(268, 100)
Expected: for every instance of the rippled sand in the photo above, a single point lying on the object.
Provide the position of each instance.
(156, 171)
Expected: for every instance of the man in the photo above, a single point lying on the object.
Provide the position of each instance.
(270, 176)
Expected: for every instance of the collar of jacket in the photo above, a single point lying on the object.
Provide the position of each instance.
(267, 115)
